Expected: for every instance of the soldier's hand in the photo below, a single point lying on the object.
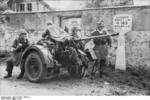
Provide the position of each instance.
(116, 34)
(12, 49)
(19, 44)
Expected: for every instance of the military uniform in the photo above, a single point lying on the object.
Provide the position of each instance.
(48, 36)
(74, 32)
(47, 33)
(98, 49)
(19, 45)
(101, 44)
(101, 49)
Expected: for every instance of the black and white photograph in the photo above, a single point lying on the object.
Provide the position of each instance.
(74, 48)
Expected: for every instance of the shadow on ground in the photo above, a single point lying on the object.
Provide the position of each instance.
(131, 82)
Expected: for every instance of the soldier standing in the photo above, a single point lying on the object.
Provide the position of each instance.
(19, 45)
(100, 49)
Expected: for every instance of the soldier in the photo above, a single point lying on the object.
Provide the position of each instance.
(66, 29)
(50, 36)
(100, 48)
(54, 33)
(74, 32)
(47, 33)
(19, 45)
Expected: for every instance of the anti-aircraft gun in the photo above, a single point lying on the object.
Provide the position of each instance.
(40, 61)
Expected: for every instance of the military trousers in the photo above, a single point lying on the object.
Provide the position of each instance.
(101, 67)
(14, 59)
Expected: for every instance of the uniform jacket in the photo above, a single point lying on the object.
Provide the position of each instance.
(20, 44)
(48, 35)
(101, 44)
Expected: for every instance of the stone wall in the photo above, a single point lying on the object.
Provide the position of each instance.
(37, 20)
(138, 49)
(137, 41)
(140, 15)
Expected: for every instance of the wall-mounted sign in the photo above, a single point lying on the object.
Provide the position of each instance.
(122, 24)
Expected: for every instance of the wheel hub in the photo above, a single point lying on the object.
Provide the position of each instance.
(34, 67)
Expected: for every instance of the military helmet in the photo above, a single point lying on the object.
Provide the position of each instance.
(74, 29)
(22, 32)
(100, 23)
(49, 23)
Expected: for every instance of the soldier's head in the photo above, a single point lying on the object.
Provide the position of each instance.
(49, 23)
(23, 34)
(100, 25)
(74, 30)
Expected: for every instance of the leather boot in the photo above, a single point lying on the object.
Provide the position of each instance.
(8, 75)
(20, 76)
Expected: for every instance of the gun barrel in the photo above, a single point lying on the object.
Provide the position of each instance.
(99, 36)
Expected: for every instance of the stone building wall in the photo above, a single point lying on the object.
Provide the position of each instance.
(104, 3)
(138, 49)
(137, 41)
(140, 15)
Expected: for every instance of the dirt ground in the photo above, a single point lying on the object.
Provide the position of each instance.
(113, 83)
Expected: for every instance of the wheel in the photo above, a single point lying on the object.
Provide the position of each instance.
(75, 63)
(75, 71)
(34, 67)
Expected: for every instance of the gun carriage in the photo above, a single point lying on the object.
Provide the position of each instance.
(38, 60)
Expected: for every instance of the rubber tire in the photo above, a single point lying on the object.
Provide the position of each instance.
(42, 68)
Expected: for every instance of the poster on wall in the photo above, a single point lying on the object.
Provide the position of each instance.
(122, 24)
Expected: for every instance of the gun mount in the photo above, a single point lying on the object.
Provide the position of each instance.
(39, 60)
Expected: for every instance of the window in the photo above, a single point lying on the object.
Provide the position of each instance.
(29, 6)
(21, 7)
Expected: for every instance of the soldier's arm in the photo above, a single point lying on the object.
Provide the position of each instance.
(15, 43)
(21, 45)
(109, 41)
(97, 40)
(45, 33)
(108, 37)
(25, 44)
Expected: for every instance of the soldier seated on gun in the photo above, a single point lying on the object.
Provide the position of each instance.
(99, 51)
(74, 32)
(47, 34)
(48, 40)
(19, 45)
(51, 34)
